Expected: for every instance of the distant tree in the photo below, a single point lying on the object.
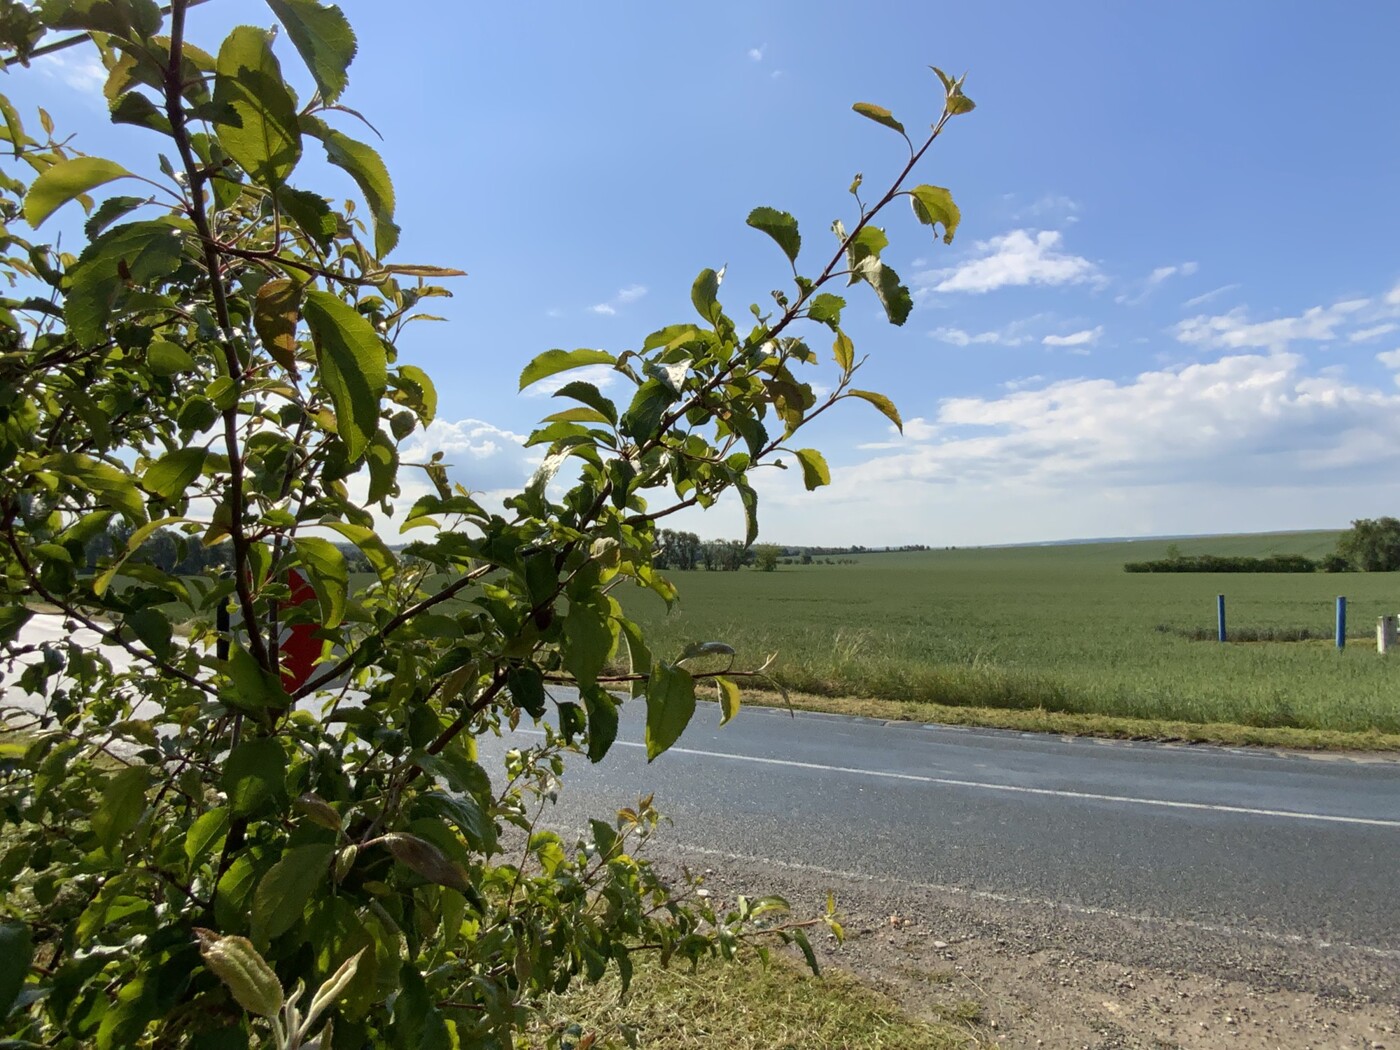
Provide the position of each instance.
(1371, 545)
(806, 557)
(1173, 552)
(766, 556)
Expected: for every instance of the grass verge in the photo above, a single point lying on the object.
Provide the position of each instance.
(1039, 720)
(743, 1006)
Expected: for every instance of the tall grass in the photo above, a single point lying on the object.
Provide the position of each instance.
(1061, 628)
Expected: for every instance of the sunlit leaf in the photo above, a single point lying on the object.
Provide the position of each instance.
(781, 226)
(323, 37)
(879, 114)
(65, 181)
(255, 116)
(353, 364)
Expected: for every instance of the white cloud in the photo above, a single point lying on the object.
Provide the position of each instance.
(1234, 331)
(1391, 359)
(1087, 337)
(1056, 206)
(1155, 279)
(1361, 335)
(756, 53)
(601, 376)
(1206, 297)
(1392, 297)
(959, 337)
(630, 294)
(1021, 257)
(78, 68)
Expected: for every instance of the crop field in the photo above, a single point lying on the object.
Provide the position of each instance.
(1059, 628)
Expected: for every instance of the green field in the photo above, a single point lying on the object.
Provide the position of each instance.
(1058, 628)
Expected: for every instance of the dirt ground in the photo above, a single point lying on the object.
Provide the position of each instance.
(1047, 977)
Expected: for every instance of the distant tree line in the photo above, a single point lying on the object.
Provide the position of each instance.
(1218, 563)
(685, 551)
(1370, 545)
(172, 551)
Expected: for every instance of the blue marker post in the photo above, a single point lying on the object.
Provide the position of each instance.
(1220, 616)
(1341, 622)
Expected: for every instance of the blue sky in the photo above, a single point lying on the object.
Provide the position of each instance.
(1173, 305)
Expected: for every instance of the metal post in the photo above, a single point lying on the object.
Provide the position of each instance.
(1385, 634)
(1341, 622)
(1220, 616)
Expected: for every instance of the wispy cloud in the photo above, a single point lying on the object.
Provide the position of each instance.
(1205, 297)
(1155, 280)
(1362, 335)
(1056, 207)
(756, 53)
(1018, 258)
(79, 68)
(1087, 337)
(630, 294)
(1234, 330)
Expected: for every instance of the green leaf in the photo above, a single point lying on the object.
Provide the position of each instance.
(132, 19)
(670, 705)
(152, 628)
(254, 774)
(590, 396)
(602, 721)
(165, 358)
(419, 390)
(328, 575)
(108, 212)
(123, 802)
(526, 686)
(704, 294)
(353, 364)
(282, 893)
(880, 401)
(552, 362)
(844, 351)
(311, 212)
(893, 295)
(934, 204)
(826, 309)
(366, 167)
(323, 37)
(879, 114)
(648, 408)
(781, 226)
(728, 699)
(169, 476)
(588, 641)
(815, 472)
(749, 498)
(375, 550)
(16, 953)
(255, 115)
(114, 488)
(64, 181)
(130, 256)
(12, 619)
(209, 829)
(133, 543)
(465, 811)
(276, 311)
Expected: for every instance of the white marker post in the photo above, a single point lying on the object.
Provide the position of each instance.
(1385, 633)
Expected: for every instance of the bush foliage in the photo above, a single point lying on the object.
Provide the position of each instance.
(192, 839)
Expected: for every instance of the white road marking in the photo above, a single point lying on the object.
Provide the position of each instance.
(983, 785)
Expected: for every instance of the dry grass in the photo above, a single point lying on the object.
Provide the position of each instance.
(746, 1006)
(1039, 720)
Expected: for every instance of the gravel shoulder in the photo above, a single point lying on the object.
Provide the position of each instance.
(1045, 976)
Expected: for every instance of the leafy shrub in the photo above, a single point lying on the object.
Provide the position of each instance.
(190, 836)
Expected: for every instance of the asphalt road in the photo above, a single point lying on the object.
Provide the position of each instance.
(1303, 850)
(1299, 849)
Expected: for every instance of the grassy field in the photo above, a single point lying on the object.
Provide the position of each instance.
(1060, 629)
(748, 1007)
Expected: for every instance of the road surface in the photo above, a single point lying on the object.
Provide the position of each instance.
(1296, 848)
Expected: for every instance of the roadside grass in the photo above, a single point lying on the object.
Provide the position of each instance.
(747, 1006)
(1059, 638)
